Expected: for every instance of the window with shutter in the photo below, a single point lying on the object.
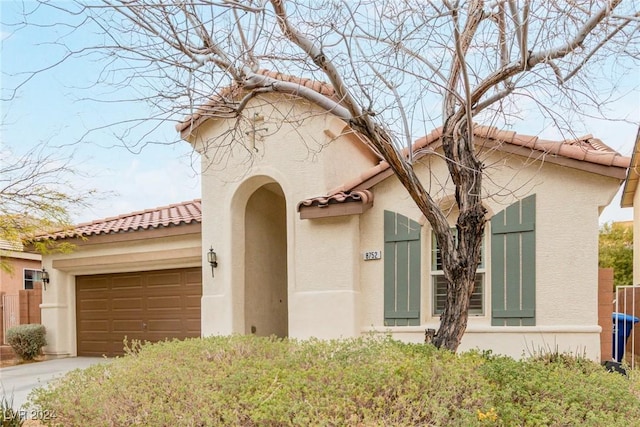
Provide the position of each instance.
(513, 265)
(401, 270)
(439, 284)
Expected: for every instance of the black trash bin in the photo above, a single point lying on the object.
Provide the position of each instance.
(622, 325)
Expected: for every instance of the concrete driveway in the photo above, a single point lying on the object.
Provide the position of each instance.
(19, 380)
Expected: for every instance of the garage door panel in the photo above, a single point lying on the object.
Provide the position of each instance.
(168, 302)
(193, 278)
(97, 282)
(128, 326)
(94, 305)
(124, 284)
(91, 326)
(98, 348)
(165, 278)
(144, 306)
(166, 326)
(126, 302)
(193, 327)
(192, 301)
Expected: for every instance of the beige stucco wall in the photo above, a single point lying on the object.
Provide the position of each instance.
(265, 259)
(306, 158)
(13, 281)
(134, 251)
(332, 291)
(568, 203)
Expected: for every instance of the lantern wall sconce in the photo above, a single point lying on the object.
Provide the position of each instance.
(212, 257)
(45, 278)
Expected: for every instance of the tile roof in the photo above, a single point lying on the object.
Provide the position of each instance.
(586, 148)
(363, 196)
(10, 246)
(582, 151)
(579, 152)
(222, 104)
(166, 216)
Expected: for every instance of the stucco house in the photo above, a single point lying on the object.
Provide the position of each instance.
(315, 237)
(24, 268)
(20, 277)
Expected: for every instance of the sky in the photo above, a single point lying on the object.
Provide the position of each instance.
(51, 108)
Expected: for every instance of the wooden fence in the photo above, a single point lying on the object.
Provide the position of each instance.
(20, 309)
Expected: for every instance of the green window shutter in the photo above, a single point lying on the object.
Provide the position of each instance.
(513, 265)
(401, 270)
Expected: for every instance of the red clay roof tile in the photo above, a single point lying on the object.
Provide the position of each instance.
(587, 149)
(219, 104)
(362, 196)
(166, 216)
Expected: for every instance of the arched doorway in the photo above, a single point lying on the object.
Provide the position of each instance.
(265, 260)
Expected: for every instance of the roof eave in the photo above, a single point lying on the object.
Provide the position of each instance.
(333, 210)
(618, 170)
(631, 182)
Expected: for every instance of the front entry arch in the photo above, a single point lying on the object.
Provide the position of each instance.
(265, 263)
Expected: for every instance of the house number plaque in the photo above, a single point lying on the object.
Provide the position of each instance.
(371, 255)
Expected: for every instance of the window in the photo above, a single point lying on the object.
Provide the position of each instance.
(31, 276)
(511, 286)
(439, 284)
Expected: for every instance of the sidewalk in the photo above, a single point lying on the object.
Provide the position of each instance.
(17, 381)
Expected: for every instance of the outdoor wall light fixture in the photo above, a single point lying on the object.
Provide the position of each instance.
(45, 278)
(212, 257)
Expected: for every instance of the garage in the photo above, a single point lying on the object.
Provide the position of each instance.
(146, 306)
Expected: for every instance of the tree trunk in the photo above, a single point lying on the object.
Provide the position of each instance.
(460, 260)
(460, 272)
(453, 321)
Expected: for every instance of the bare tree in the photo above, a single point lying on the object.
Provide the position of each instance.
(37, 193)
(386, 62)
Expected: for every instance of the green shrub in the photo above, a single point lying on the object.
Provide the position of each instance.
(27, 340)
(250, 381)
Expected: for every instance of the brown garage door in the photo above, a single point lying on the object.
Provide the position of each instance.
(146, 306)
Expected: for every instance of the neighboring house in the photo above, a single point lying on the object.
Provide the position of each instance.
(24, 269)
(137, 276)
(315, 236)
(23, 272)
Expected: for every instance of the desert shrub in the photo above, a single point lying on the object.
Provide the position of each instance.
(10, 417)
(27, 340)
(250, 381)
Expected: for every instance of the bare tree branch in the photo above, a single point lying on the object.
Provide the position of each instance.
(397, 68)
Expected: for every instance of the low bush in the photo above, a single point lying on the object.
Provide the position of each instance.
(249, 381)
(27, 340)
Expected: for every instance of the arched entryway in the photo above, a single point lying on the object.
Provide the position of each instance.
(265, 261)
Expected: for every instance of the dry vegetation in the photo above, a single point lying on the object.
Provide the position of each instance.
(249, 381)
